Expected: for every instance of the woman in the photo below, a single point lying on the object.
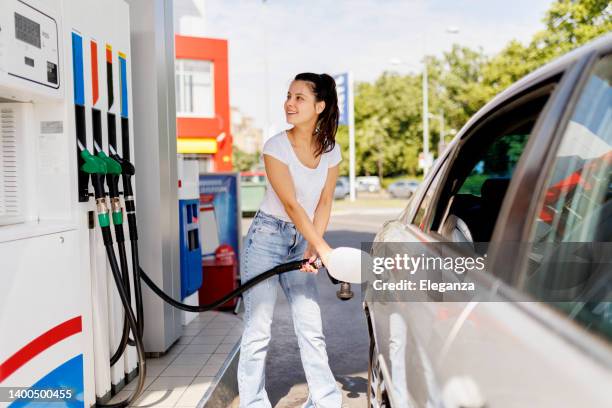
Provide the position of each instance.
(302, 168)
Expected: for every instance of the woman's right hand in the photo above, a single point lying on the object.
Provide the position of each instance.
(311, 255)
(324, 253)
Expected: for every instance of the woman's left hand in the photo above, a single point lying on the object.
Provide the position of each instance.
(311, 255)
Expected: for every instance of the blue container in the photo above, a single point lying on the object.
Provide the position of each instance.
(191, 254)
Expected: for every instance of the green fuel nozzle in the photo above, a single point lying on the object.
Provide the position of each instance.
(93, 164)
(113, 171)
(112, 166)
(96, 168)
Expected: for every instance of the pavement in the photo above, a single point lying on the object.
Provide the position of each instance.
(344, 323)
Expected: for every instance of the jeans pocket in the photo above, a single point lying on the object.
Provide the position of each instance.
(267, 226)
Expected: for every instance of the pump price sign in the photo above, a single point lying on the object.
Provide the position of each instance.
(342, 88)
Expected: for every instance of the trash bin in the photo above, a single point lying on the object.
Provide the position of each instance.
(219, 277)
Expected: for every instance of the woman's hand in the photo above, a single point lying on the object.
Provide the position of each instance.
(324, 253)
(311, 255)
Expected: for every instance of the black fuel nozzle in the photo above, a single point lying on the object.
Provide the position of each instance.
(127, 171)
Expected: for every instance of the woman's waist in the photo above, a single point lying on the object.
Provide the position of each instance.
(273, 207)
(270, 215)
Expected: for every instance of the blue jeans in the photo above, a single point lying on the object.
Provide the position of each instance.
(269, 243)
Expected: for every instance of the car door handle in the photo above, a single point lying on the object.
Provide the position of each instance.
(462, 392)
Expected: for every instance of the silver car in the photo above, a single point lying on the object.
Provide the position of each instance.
(370, 184)
(531, 174)
(342, 189)
(402, 188)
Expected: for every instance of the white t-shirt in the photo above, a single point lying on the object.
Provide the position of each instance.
(308, 183)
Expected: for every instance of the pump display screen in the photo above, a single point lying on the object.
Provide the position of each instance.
(27, 30)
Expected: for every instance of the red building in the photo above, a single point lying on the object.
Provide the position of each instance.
(202, 101)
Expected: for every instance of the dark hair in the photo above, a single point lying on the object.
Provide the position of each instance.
(324, 89)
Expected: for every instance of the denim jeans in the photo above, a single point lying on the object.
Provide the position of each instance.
(271, 242)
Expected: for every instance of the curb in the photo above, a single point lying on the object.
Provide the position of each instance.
(224, 388)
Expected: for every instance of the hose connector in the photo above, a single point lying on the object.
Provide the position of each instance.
(345, 292)
(102, 209)
(117, 211)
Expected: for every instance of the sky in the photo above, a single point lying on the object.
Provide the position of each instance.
(271, 41)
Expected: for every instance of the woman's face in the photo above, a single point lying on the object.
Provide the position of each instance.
(301, 106)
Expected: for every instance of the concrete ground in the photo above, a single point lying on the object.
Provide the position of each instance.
(343, 322)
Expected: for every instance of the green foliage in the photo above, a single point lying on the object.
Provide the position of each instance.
(388, 112)
(243, 161)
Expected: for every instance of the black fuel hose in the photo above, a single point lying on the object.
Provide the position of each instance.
(125, 339)
(137, 287)
(286, 267)
(126, 327)
(142, 369)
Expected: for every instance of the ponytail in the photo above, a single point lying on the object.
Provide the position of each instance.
(324, 89)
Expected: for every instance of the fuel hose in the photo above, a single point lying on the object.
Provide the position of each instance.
(121, 275)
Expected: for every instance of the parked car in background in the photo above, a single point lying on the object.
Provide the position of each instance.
(530, 173)
(370, 184)
(342, 189)
(402, 188)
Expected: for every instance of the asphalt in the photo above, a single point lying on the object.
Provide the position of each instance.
(344, 326)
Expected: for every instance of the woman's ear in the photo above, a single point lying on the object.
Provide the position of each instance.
(320, 107)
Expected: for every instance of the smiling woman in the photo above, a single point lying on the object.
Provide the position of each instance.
(302, 168)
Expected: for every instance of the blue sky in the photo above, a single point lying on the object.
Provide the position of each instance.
(359, 35)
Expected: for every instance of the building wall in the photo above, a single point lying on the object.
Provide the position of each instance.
(218, 128)
(247, 137)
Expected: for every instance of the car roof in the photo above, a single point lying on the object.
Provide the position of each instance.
(555, 67)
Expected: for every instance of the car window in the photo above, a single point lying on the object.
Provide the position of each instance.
(569, 257)
(475, 190)
(498, 162)
(425, 206)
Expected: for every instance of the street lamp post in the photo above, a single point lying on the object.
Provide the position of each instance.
(426, 155)
(425, 118)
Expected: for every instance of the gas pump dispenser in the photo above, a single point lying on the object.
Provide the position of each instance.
(62, 316)
(71, 311)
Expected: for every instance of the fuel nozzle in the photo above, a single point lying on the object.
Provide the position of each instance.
(127, 171)
(96, 168)
(113, 171)
(345, 292)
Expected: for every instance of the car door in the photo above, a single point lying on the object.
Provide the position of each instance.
(414, 336)
(556, 352)
(401, 328)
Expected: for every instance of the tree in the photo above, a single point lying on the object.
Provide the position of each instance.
(388, 117)
(244, 161)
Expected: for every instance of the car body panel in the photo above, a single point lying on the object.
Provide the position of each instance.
(510, 353)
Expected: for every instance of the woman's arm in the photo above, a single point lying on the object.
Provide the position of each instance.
(321, 215)
(282, 183)
(323, 211)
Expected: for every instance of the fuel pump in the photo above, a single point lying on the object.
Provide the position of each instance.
(51, 110)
